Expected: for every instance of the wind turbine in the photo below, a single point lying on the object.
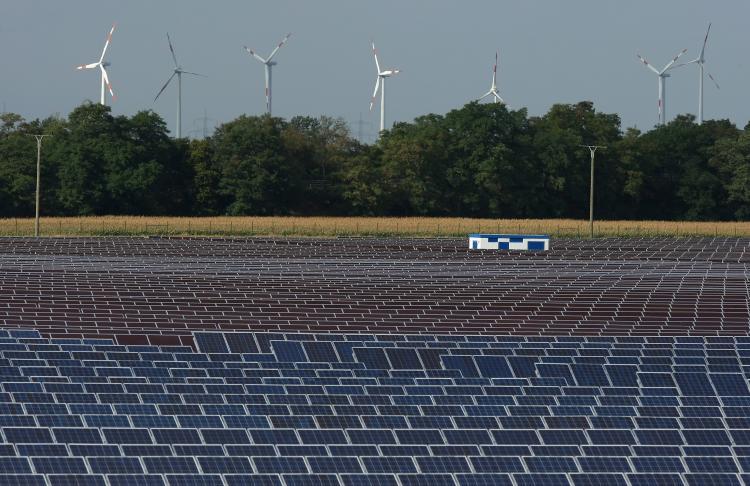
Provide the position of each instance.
(382, 75)
(178, 71)
(493, 89)
(700, 60)
(102, 64)
(663, 75)
(268, 64)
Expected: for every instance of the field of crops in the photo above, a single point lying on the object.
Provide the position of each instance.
(356, 226)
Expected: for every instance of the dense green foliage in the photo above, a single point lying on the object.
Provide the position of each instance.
(480, 160)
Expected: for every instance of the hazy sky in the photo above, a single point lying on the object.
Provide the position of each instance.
(552, 51)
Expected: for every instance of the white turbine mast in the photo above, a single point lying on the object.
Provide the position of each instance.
(268, 63)
(178, 71)
(380, 84)
(493, 89)
(663, 75)
(700, 61)
(102, 65)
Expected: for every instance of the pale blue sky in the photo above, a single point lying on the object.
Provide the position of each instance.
(551, 51)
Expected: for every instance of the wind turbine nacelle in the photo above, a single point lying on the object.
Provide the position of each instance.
(271, 63)
(106, 64)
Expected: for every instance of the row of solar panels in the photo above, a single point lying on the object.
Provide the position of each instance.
(421, 479)
(367, 421)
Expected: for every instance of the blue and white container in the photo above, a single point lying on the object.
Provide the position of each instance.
(508, 242)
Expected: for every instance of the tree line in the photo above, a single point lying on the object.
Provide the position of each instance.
(481, 160)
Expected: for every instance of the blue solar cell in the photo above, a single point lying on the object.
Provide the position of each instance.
(22, 480)
(599, 479)
(176, 436)
(135, 480)
(225, 436)
(127, 436)
(493, 367)
(550, 464)
(211, 342)
(443, 464)
(280, 465)
(369, 480)
(465, 364)
(115, 465)
(77, 436)
(622, 375)
(730, 384)
(497, 464)
(225, 465)
(658, 464)
(713, 479)
(170, 465)
(563, 437)
(323, 352)
(241, 342)
(25, 435)
(611, 436)
(590, 375)
(59, 465)
(15, 465)
(311, 480)
(255, 480)
(426, 480)
(289, 351)
(42, 450)
(192, 480)
(371, 436)
(372, 358)
(604, 464)
(334, 465)
(701, 464)
(279, 436)
(510, 436)
(694, 384)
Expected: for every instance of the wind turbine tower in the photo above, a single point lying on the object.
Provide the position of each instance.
(493, 89)
(380, 84)
(663, 75)
(268, 63)
(700, 61)
(178, 71)
(102, 65)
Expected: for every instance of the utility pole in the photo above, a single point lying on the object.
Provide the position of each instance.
(592, 150)
(39, 139)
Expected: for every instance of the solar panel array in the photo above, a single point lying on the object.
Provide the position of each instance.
(326, 408)
(158, 291)
(181, 361)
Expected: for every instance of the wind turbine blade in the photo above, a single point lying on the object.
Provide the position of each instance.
(494, 70)
(283, 41)
(255, 54)
(705, 40)
(195, 74)
(106, 81)
(375, 93)
(165, 86)
(375, 53)
(88, 66)
(712, 79)
(647, 64)
(106, 44)
(488, 93)
(171, 49)
(674, 60)
(694, 61)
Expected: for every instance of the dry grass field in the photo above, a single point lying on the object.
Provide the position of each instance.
(355, 226)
